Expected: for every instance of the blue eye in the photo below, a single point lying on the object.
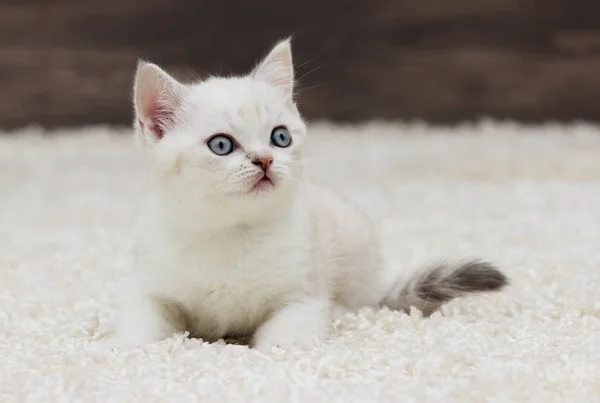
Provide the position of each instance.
(221, 144)
(281, 137)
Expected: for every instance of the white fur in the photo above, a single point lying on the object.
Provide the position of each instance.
(216, 260)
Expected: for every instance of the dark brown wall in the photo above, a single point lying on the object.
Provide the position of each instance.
(68, 62)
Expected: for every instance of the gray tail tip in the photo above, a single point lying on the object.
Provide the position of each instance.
(480, 276)
(440, 283)
(445, 282)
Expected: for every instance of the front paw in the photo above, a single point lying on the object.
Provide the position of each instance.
(296, 326)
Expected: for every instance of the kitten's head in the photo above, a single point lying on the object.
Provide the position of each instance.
(230, 145)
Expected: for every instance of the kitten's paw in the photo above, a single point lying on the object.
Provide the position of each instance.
(299, 325)
(140, 323)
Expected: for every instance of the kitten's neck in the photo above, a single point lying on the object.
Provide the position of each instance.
(213, 218)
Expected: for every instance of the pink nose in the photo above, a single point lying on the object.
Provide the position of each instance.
(264, 162)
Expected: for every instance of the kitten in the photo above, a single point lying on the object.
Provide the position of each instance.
(236, 242)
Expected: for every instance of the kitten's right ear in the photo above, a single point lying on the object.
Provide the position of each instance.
(277, 68)
(157, 96)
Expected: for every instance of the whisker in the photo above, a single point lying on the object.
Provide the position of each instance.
(310, 72)
(193, 73)
(304, 63)
(302, 90)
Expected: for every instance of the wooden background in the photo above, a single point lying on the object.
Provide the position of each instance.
(68, 62)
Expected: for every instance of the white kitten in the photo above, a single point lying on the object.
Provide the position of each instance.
(236, 243)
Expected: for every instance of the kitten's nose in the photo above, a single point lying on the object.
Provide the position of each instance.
(263, 162)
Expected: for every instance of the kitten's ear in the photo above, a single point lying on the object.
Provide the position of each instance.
(277, 68)
(157, 96)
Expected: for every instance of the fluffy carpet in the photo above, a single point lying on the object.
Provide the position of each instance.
(527, 198)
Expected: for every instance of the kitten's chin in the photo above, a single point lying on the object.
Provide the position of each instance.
(262, 186)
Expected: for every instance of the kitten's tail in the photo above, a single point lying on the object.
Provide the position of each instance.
(428, 289)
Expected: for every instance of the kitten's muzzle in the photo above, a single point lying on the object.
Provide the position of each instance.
(263, 162)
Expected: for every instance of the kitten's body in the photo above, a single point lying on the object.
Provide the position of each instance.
(226, 282)
(221, 253)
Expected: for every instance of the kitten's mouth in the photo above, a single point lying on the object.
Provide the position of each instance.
(261, 185)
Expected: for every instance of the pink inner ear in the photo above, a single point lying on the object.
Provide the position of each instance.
(160, 116)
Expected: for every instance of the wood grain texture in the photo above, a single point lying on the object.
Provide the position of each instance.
(71, 63)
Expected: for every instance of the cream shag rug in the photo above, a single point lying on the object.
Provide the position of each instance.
(527, 198)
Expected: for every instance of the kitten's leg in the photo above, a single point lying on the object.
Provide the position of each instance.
(298, 324)
(147, 320)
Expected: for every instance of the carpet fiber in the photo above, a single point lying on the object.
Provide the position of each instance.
(527, 198)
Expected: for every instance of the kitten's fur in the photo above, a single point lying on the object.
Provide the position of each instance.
(218, 259)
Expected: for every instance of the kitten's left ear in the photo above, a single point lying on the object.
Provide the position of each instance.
(277, 68)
